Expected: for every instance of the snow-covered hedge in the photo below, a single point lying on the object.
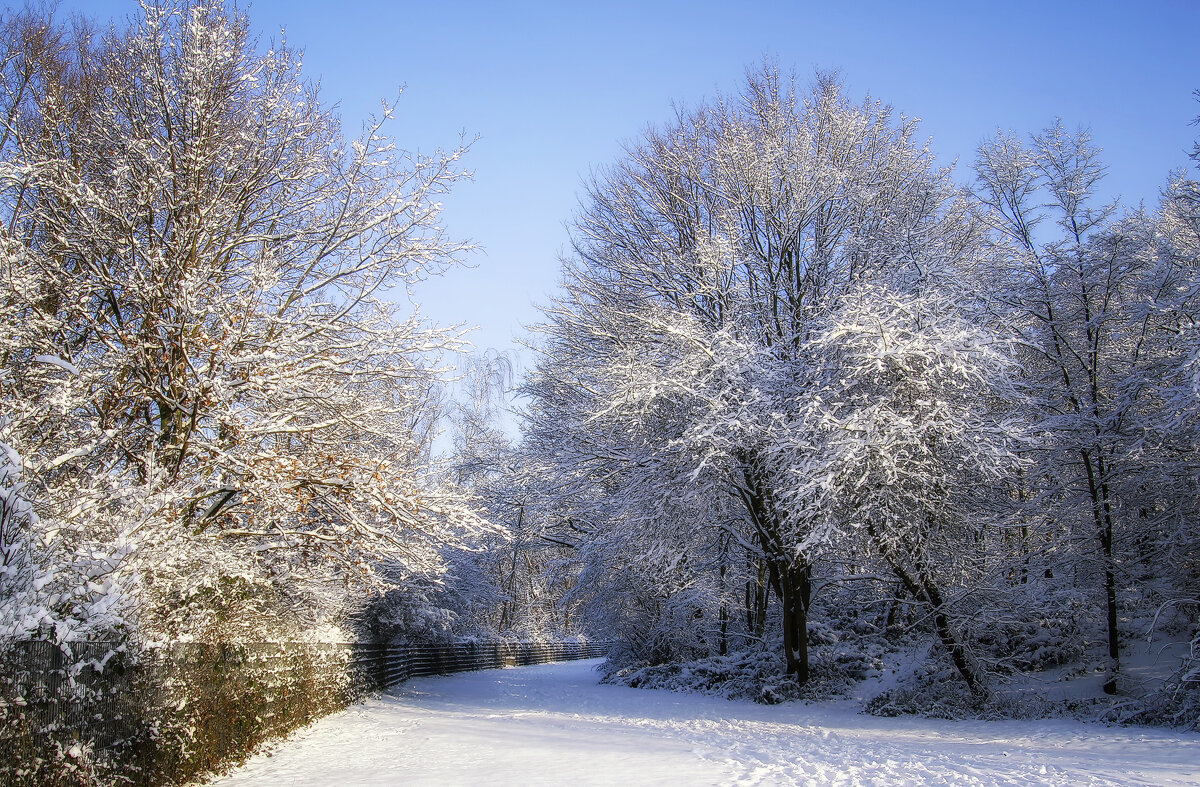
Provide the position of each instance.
(84, 713)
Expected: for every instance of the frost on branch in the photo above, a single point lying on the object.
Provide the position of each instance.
(53, 586)
(909, 416)
(801, 389)
(204, 362)
(675, 362)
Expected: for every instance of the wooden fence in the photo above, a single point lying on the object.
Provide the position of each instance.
(82, 714)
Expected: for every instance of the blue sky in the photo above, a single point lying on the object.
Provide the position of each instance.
(552, 89)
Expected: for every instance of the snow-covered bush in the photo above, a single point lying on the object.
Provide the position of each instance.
(54, 586)
(755, 675)
(1182, 691)
(409, 614)
(22, 578)
(1176, 700)
(932, 688)
(1031, 645)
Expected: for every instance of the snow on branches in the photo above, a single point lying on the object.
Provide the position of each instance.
(204, 358)
(791, 358)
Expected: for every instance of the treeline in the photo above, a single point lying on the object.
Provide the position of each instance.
(804, 394)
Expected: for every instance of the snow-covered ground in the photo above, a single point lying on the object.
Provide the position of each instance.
(554, 725)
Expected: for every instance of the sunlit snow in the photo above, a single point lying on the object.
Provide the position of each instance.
(554, 725)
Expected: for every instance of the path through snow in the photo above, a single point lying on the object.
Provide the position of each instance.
(554, 725)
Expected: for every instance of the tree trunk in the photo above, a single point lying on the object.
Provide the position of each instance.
(757, 596)
(1103, 519)
(790, 578)
(923, 587)
(895, 606)
(723, 612)
(797, 590)
(958, 651)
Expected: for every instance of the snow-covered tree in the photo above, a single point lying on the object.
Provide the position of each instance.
(907, 430)
(513, 582)
(198, 262)
(1080, 299)
(703, 262)
(1168, 538)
